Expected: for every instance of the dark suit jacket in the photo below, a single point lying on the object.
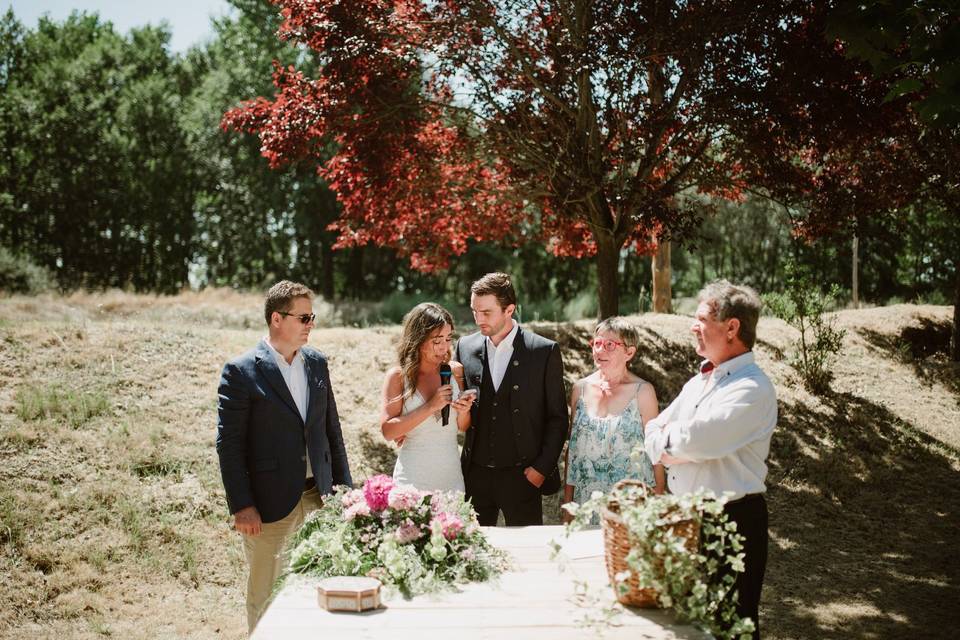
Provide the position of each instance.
(538, 402)
(260, 434)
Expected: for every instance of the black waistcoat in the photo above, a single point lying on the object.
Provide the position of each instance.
(495, 443)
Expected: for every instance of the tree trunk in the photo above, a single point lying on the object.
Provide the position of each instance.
(855, 276)
(328, 268)
(662, 296)
(355, 271)
(955, 342)
(608, 286)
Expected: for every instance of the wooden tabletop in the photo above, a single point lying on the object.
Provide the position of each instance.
(538, 599)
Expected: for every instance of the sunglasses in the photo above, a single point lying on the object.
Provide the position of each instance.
(607, 345)
(305, 318)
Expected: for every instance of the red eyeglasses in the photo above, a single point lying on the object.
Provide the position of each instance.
(607, 345)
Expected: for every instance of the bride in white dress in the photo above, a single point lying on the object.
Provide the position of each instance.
(413, 399)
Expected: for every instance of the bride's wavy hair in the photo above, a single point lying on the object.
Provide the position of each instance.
(418, 324)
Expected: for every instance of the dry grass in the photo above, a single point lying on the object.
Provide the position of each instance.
(112, 519)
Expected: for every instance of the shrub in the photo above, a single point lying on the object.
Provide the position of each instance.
(803, 306)
(19, 275)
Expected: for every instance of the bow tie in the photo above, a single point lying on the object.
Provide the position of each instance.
(707, 367)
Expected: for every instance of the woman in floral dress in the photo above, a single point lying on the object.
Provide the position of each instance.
(610, 408)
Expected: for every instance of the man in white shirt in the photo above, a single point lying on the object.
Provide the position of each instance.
(278, 438)
(716, 434)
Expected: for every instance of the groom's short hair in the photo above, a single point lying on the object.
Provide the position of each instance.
(727, 300)
(281, 295)
(496, 284)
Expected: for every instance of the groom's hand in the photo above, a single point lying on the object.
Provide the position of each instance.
(534, 477)
(247, 521)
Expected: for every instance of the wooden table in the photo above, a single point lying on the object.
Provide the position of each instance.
(536, 600)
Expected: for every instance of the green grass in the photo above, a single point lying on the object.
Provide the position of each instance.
(11, 522)
(189, 560)
(135, 523)
(155, 466)
(75, 408)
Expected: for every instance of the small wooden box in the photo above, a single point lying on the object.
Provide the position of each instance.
(349, 593)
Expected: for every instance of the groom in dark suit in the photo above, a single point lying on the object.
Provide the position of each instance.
(278, 438)
(519, 421)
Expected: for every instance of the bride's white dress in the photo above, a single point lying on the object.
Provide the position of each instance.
(429, 458)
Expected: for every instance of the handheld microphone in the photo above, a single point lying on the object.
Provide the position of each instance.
(445, 373)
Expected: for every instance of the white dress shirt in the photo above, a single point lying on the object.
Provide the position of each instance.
(295, 375)
(721, 423)
(499, 357)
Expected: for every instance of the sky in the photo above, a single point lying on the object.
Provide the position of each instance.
(189, 19)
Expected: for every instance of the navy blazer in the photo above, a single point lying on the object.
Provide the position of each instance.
(261, 438)
(538, 401)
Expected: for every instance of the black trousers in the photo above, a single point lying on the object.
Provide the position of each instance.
(750, 514)
(492, 490)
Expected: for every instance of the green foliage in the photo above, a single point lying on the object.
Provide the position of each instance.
(18, 274)
(692, 578)
(114, 172)
(914, 44)
(74, 408)
(803, 306)
(744, 242)
(94, 177)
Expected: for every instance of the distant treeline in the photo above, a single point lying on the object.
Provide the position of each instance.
(114, 172)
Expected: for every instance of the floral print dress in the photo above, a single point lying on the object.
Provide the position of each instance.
(600, 450)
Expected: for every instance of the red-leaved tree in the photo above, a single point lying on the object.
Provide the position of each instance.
(847, 144)
(585, 121)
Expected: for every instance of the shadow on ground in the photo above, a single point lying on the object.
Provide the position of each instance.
(925, 345)
(864, 507)
(379, 455)
(864, 522)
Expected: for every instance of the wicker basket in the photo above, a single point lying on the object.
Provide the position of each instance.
(617, 544)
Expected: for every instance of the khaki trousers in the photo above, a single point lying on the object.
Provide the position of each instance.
(267, 554)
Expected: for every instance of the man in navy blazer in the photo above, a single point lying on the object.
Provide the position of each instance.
(278, 438)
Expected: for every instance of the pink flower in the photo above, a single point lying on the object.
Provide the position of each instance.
(604, 387)
(359, 509)
(408, 532)
(451, 525)
(403, 498)
(376, 490)
(351, 498)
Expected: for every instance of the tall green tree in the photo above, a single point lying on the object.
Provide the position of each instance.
(254, 225)
(93, 178)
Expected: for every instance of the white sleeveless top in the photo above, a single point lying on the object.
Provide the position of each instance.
(429, 458)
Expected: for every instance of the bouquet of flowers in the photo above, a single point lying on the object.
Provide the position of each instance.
(413, 540)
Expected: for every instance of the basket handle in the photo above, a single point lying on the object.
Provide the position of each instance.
(630, 482)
